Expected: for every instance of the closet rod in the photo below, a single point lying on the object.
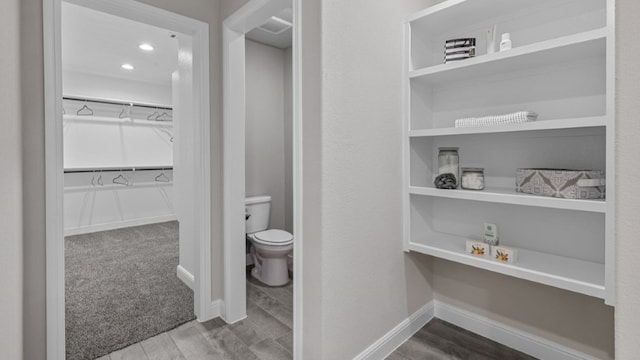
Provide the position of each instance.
(136, 168)
(117, 103)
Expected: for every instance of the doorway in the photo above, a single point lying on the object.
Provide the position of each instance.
(235, 28)
(194, 100)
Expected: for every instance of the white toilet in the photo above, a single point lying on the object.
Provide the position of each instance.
(270, 246)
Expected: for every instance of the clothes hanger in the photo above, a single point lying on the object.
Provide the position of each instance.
(154, 115)
(163, 117)
(120, 179)
(162, 177)
(85, 111)
(125, 111)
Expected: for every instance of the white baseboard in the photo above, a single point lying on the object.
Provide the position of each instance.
(507, 335)
(117, 225)
(213, 311)
(398, 335)
(504, 334)
(186, 277)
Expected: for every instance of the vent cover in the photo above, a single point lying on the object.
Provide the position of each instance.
(275, 25)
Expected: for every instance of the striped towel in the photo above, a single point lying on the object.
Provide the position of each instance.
(512, 118)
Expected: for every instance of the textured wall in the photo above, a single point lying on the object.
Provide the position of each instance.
(309, 246)
(264, 146)
(628, 172)
(32, 74)
(10, 185)
(81, 84)
(367, 278)
(577, 321)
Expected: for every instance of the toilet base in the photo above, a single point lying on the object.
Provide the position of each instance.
(271, 271)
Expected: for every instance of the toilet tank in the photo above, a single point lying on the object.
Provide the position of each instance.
(258, 207)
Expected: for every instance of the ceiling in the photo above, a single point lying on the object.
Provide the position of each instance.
(281, 40)
(98, 43)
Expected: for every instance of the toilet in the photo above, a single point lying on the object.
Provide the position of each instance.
(270, 247)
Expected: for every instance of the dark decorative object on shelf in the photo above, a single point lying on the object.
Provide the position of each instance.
(445, 181)
(459, 49)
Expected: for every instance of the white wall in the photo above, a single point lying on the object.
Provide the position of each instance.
(265, 127)
(184, 152)
(577, 321)
(11, 238)
(110, 142)
(368, 284)
(90, 208)
(627, 322)
(96, 86)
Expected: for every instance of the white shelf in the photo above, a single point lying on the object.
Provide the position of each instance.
(544, 53)
(566, 273)
(576, 123)
(503, 196)
(450, 15)
(109, 120)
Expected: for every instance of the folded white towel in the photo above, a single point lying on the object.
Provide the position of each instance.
(512, 118)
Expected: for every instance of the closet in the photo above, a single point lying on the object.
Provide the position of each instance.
(118, 164)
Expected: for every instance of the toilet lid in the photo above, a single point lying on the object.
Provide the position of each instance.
(273, 236)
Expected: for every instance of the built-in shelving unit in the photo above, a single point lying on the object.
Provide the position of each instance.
(588, 122)
(508, 196)
(562, 67)
(550, 52)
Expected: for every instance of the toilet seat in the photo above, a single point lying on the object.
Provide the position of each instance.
(273, 237)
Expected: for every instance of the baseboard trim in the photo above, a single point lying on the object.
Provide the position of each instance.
(399, 334)
(186, 277)
(117, 225)
(507, 335)
(214, 309)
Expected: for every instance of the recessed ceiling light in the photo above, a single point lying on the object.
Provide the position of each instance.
(127, 66)
(146, 47)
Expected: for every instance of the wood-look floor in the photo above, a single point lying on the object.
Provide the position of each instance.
(441, 340)
(264, 335)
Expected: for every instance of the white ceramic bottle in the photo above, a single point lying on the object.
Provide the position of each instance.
(491, 39)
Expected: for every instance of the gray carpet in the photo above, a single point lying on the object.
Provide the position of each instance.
(121, 288)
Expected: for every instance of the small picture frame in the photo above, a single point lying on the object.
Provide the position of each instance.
(504, 254)
(478, 248)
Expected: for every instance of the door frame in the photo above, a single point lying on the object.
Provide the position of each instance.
(204, 306)
(251, 15)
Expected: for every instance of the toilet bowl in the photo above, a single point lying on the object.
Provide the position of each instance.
(270, 248)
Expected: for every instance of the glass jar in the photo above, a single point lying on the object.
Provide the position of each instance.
(472, 178)
(448, 162)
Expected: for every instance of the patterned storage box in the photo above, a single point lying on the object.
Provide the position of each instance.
(562, 183)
